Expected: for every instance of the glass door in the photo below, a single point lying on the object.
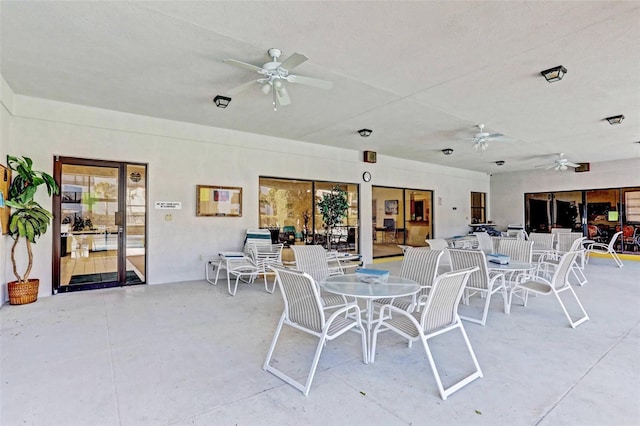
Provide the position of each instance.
(99, 225)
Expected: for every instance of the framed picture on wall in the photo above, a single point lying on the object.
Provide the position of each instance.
(391, 207)
(218, 201)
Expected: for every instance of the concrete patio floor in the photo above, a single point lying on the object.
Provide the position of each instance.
(188, 353)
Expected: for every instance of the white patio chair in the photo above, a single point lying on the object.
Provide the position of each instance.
(480, 281)
(256, 236)
(558, 283)
(484, 242)
(421, 265)
(571, 241)
(606, 249)
(542, 244)
(517, 250)
(263, 256)
(313, 260)
(440, 244)
(440, 315)
(303, 311)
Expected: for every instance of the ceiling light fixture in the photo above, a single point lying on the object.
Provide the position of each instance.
(481, 145)
(365, 133)
(616, 119)
(500, 162)
(447, 151)
(554, 74)
(221, 101)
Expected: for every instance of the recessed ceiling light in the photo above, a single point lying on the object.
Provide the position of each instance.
(447, 151)
(365, 133)
(500, 162)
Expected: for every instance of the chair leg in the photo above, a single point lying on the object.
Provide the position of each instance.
(582, 319)
(235, 288)
(616, 258)
(577, 272)
(273, 342)
(444, 393)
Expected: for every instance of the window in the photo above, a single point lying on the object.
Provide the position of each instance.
(288, 209)
(632, 206)
(478, 207)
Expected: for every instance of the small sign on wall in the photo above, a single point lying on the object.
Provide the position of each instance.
(168, 205)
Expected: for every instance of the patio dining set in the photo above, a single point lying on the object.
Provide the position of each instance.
(326, 294)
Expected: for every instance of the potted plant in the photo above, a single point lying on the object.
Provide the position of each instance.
(333, 208)
(28, 221)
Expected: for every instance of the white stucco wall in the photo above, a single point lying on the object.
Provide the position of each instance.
(182, 155)
(6, 106)
(508, 189)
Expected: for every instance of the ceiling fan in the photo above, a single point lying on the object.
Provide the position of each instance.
(275, 74)
(559, 164)
(482, 138)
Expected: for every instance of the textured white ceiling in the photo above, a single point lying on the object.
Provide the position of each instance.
(420, 74)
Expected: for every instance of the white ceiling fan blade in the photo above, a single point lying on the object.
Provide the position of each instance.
(493, 135)
(572, 164)
(244, 65)
(309, 81)
(242, 87)
(293, 61)
(283, 96)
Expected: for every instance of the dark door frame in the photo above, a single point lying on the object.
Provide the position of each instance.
(57, 249)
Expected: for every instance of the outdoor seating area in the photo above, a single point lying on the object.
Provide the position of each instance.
(187, 356)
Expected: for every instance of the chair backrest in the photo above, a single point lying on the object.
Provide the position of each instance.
(441, 308)
(495, 242)
(312, 259)
(484, 242)
(561, 275)
(517, 250)
(463, 259)
(615, 237)
(256, 236)
(302, 303)
(389, 223)
(542, 241)
(421, 265)
(266, 254)
(566, 241)
(440, 244)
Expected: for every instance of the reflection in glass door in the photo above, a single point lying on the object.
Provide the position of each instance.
(100, 225)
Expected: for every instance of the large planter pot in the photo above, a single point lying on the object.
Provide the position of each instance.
(23, 293)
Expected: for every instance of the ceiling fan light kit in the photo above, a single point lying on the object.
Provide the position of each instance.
(274, 74)
(554, 74)
(221, 101)
(560, 164)
(365, 133)
(615, 119)
(482, 138)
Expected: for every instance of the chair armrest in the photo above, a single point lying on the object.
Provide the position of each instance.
(600, 246)
(530, 277)
(341, 311)
(493, 276)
